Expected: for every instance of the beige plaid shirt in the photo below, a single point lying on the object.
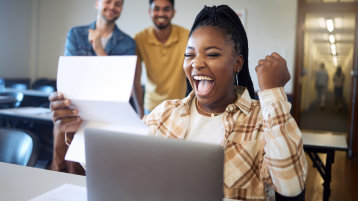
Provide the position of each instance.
(263, 143)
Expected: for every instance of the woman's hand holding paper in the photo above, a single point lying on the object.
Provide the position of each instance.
(65, 118)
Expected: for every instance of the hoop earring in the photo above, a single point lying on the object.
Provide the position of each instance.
(237, 78)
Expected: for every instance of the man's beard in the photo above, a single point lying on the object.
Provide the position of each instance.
(161, 27)
(109, 20)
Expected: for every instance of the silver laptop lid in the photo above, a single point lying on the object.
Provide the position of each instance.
(130, 167)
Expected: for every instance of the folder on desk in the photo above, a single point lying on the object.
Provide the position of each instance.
(100, 87)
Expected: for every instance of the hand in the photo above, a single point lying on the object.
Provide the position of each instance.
(65, 118)
(272, 72)
(94, 37)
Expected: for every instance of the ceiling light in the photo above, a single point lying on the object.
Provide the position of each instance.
(334, 52)
(333, 49)
(335, 62)
(331, 38)
(330, 25)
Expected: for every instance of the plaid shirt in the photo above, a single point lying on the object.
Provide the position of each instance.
(263, 143)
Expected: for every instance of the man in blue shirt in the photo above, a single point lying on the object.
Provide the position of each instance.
(101, 38)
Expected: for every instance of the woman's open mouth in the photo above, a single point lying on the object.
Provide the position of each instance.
(203, 85)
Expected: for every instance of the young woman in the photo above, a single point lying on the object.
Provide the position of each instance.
(338, 81)
(262, 142)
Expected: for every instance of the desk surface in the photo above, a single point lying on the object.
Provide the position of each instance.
(36, 113)
(19, 183)
(324, 141)
(7, 99)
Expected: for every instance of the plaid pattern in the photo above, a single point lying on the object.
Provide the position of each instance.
(262, 142)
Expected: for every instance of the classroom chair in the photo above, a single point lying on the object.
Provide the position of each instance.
(18, 147)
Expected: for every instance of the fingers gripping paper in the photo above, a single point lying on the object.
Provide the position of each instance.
(100, 87)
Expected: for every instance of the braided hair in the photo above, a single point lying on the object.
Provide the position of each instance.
(226, 19)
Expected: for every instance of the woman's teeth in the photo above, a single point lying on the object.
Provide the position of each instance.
(202, 78)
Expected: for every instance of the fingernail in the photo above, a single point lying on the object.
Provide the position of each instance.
(67, 102)
(75, 111)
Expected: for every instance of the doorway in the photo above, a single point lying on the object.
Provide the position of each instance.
(325, 93)
(326, 39)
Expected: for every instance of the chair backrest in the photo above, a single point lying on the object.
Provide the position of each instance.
(43, 82)
(46, 88)
(18, 147)
(10, 82)
(18, 86)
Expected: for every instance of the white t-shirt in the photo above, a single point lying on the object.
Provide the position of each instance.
(105, 40)
(205, 129)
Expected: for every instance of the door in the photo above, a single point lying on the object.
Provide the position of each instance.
(326, 42)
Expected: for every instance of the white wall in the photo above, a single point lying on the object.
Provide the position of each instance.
(269, 28)
(347, 68)
(55, 18)
(15, 35)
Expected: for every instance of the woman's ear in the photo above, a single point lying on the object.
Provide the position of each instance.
(238, 64)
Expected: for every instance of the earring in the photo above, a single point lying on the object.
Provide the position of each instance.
(237, 78)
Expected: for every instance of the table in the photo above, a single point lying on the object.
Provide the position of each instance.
(19, 183)
(327, 144)
(7, 99)
(33, 114)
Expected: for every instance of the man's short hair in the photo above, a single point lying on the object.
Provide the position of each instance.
(171, 1)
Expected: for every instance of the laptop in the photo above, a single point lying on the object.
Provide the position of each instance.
(130, 167)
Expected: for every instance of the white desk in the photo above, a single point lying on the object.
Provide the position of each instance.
(19, 183)
(27, 113)
(326, 143)
(13, 117)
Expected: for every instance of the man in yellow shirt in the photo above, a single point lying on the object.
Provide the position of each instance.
(161, 47)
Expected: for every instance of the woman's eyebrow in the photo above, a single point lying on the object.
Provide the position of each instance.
(212, 47)
(207, 48)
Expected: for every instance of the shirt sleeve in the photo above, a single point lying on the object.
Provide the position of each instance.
(153, 119)
(71, 44)
(284, 163)
(137, 42)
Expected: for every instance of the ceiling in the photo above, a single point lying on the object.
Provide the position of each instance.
(344, 26)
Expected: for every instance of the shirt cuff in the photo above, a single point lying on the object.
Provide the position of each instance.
(269, 96)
